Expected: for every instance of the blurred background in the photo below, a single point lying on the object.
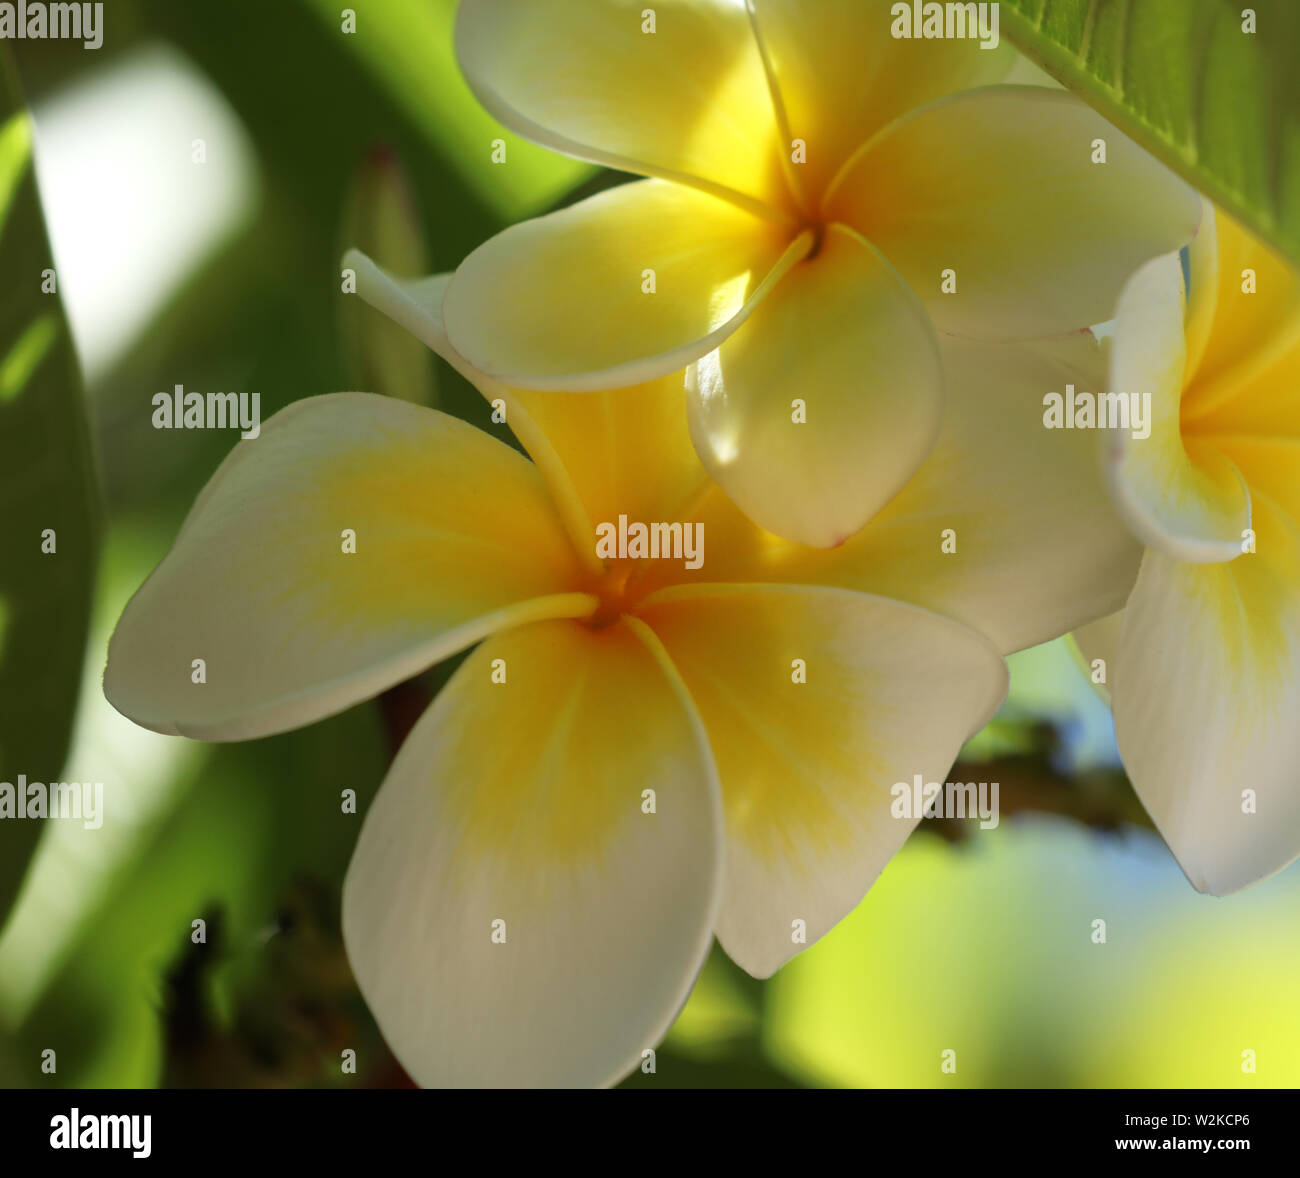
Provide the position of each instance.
(199, 177)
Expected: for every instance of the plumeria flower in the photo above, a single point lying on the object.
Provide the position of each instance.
(1204, 661)
(822, 200)
(636, 756)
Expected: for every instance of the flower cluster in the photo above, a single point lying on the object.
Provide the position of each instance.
(786, 501)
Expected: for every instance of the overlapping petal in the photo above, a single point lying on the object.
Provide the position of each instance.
(1206, 698)
(817, 701)
(1096, 643)
(686, 100)
(1253, 393)
(1040, 548)
(619, 289)
(1178, 493)
(1253, 336)
(998, 185)
(841, 75)
(814, 414)
(1037, 547)
(621, 451)
(1203, 289)
(454, 537)
(525, 802)
(1205, 688)
(626, 451)
(412, 303)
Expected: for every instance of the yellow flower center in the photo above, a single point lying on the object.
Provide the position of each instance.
(620, 588)
(818, 230)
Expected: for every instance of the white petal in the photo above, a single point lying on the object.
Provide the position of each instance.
(818, 703)
(454, 537)
(1179, 494)
(1206, 696)
(523, 802)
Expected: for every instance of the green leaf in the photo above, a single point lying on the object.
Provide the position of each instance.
(47, 498)
(1218, 104)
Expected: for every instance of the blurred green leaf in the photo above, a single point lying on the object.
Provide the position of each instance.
(383, 222)
(1218, 104)
(409, 50)
(47, 498)
(265, 315)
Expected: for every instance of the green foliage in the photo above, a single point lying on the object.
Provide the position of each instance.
(1218, 104)
(408, 51)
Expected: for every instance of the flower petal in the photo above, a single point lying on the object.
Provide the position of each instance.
(808, 768)
(523, 802)
(686, 101)
(413, 303)
(999, 186)
(1249, 381)
(1095, 645)
(1178, 494)
(454, 537)
(1206, 693)
(564, 302)
(844, 339)
(1251, 335)
(842, 76)
(1039, 547)
(644, 465)
(626, 450)
(1265, 407)
(1203, 295)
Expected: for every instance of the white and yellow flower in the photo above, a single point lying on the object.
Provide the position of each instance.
(604, 690)
(1204, 660)
(822, 201)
